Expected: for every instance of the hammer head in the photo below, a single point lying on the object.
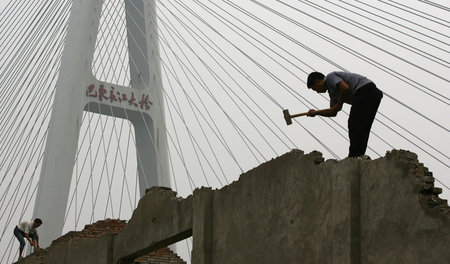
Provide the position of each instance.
(287, 117)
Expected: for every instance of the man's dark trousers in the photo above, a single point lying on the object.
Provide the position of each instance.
(364, 108)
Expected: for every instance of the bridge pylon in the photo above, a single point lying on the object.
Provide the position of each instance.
(78, 90)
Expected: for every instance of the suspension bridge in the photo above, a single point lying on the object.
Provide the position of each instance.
(226, 70)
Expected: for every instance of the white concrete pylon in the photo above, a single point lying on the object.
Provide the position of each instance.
(77, 90)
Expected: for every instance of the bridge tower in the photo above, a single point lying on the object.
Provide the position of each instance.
(78, 90)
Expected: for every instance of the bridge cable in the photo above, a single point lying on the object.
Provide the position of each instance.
(436, 5)
(416, 13)
(362, 14)
(381, 35)
(237, 48)
(404, 19)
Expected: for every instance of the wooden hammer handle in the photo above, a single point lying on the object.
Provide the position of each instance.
(301, 114)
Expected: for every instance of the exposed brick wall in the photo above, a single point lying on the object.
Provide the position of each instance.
(94, 230)
(161, 256)
(113, 226)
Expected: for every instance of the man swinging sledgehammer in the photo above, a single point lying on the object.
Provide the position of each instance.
(354, 89)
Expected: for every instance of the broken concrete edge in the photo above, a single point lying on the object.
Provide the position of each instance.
(160, 213)
(295, 155)
(161, 192)
(159, 188)
(429, 195)
(35, 257)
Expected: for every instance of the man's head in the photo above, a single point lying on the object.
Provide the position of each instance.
(316, 82)
(37, 222)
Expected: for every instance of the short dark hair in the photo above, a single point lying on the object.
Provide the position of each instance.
(312, 77)
(38, 221)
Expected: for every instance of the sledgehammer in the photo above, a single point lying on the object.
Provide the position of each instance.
(289, 117)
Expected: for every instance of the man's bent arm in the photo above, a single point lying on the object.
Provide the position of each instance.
(329, 112)
(344, 89)
(28, 238)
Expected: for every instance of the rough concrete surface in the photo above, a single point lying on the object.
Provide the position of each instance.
(294, 209)
(402, 221)
(160, 219)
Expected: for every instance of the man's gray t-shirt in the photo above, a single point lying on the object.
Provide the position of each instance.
(353, 80)
(27, 227)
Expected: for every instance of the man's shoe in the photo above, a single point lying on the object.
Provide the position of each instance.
(364, 157)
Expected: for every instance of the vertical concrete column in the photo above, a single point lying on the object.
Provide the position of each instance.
(202, 226)
(145, 75)
(62, 138)
(356, 216)
(346, 212)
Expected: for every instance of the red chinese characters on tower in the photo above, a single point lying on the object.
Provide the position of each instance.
(112, 96)
(132, 101)
(124, 97)
(90, 91)
(145, 102)
(103, 94)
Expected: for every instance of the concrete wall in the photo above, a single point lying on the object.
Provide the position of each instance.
(353, 211)
(160, 219)
(402, 218)
(284, 211)
(293, 209)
